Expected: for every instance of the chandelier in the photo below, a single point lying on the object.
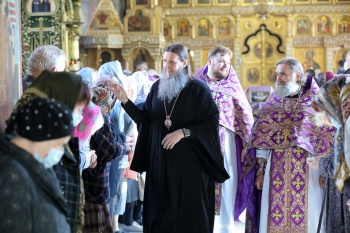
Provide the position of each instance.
(263, 7)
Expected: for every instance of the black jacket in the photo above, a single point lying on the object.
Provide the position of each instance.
(30, 196)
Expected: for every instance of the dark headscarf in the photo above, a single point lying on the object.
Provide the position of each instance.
(44, 119)
(62, 86)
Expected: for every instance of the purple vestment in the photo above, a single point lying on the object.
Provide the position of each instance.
(286, 127)
(236, 116)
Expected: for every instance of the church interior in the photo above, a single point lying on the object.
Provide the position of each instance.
(92, 32)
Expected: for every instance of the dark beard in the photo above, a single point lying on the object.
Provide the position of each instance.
(170, 86)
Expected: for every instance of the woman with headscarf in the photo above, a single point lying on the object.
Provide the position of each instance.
(96, 180)
(31, 199)
(111, 72)
(69, 89)
(338, 186)
(88, 75)
(143, 87)
(113, 69)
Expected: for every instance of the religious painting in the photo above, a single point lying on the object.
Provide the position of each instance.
(258, 50)
(344, 24)
(271, 74)
(309, 62)
(203, 27)
(105, 20)
(259, 96)
(139, 22)
(323, 25)
(141, 2)
(203, 1)
(224, 27)
(253, 75)
(41, 6)
(166, 29)
(182, 2)
(183, 27)
(302, 26)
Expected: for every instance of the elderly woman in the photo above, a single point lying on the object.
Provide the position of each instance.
(70, 90)
(96, 180)
(338, 189)
(31, 199)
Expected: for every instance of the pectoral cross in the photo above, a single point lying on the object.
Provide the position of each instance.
(285, 134)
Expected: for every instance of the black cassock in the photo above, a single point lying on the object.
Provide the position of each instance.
(179, 192)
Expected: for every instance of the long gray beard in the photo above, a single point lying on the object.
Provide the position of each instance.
(170, 86)
(283, 90)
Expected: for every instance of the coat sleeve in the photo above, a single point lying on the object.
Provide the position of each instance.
(15, 200)
(205, 130)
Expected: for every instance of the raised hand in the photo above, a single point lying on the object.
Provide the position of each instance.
(118, 91)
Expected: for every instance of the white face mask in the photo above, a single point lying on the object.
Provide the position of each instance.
(335, 123)
(52, 158)
(76, 118)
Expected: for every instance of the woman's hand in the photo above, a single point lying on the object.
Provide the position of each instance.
(171, 139)
(322, 181)
(118, 91)
(130, 145)
(93, 160)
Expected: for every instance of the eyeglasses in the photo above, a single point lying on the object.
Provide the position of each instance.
(223, 62)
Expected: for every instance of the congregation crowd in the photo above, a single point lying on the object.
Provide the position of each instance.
(111, 150)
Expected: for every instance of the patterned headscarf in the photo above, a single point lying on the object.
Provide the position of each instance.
(102, 98)
(83, 129)
(43, 119)
(88, 75)
(328, 98)
(113, 69)
(345, 106)
(143, 86)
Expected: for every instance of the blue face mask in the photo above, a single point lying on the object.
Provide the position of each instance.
(52, 158)
(76, 118)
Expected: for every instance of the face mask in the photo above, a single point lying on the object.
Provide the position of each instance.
(76, 118)
(335, 123)
(52, 158)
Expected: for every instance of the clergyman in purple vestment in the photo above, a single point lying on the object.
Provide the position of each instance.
(235, 122)
(283, 136)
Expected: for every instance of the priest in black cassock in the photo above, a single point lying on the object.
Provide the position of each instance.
(179, 148)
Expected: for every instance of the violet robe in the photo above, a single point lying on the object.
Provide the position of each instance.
(179, 189)
(289, 172)
(235, 116)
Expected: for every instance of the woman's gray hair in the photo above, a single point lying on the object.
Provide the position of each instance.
(296, 67)
(44, 58)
